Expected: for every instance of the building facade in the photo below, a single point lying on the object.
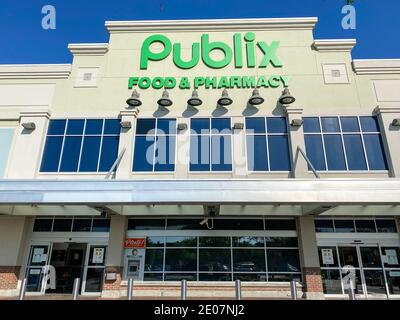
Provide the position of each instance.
(205, 150)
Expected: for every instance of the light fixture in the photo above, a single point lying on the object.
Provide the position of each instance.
(256, 99)
(126, 124)
(194, 100)
(238, 126)
(29, 125)
(165, 101)
(225, 100)
(297, 122)
(182, 126)
(396, 122)
(286, 98)
(134, 100)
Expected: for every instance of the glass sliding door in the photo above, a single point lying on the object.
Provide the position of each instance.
(35, 271)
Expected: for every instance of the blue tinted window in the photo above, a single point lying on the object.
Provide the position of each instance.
(315, 151)
(349, 124)
(75, 126)
(145, 126)
(200, 126)
(112, 126)
(199, 153)
(334, 152)
(143, 155)
(257, 153)
(276, 125)
(165, 153)
(71, 151)
(51, 155)
(255, 125)
(56, 127)
(221, 125)
(221, 156)
(311, 125)
(94, 126)
(166, 126)
(354, 152)
(369, 124)
(109, 153)
(279, 156)
(90, 154)
(375, 152)
(330, 124)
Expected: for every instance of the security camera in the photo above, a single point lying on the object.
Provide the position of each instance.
(204, 221)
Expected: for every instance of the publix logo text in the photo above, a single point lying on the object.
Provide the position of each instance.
(241, 52)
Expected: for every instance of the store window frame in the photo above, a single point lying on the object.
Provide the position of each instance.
(354, 219)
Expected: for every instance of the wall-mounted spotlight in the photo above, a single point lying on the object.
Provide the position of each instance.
(134, 100)
(396, 122)
(165, 101)
(238, 126)
(286, 98)
(126, 124)
(182, 126)
(194, 100)
(225, 100)
(296, 122)
(256, 99)
(29, 125)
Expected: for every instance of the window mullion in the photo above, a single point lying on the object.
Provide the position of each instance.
(101, 145)
(343, 144)
(267, 145)
(363, 143)
(80, 152)
(62, 148)
(155, 146)
(323, 144)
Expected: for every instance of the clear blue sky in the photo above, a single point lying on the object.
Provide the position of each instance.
(24, 41)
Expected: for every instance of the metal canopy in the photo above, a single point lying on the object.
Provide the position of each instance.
(249, 192)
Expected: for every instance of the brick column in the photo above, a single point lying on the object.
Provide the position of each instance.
(309, 260)
(115, 257)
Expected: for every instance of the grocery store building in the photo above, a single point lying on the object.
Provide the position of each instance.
(205, 150)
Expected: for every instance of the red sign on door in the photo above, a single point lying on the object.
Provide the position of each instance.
(135, 243)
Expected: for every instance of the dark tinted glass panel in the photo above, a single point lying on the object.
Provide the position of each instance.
(315, 151)
(90, 154)
(180, 276)
(311, 125)
(209, 276)
(155, 242)
(248, 241)
(109, 153)
(250, 276)
(370, 257)
(82, 225)
(248, 260)
(391, 257)
(56, 127)
(369, 124)
(146, 126)
(42, 225)
(221, 125)
(221, 153)
(334, 152)
(330, 124)
(365, 226)
(62, 225)
(215, 260)
(51, 154)
(348, 256)
(143, 156)
(257, 153)
(166, 126)
(200, 153)
(101, 225)
(153, 276)
(154, 260)
(281, 242)
(181, 260)
(386, 225)
(328, 257)
(200, 126)
(375, 152)
(255, 125)
(349, 124)
(276, 125)
(323, 226)
(181, 241)
(238, 224)
(375, 281)
(280, 224)
(75, 126)
(214, 241)
(279, 156)
(183, 224)
(94, 279)
(331, 281)
(71, 151)
(344, 226)
(283, 260)
(94, 126)
(146, 224)
(354, 152)
(165, 153)
(112, 126)
(393, 280)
